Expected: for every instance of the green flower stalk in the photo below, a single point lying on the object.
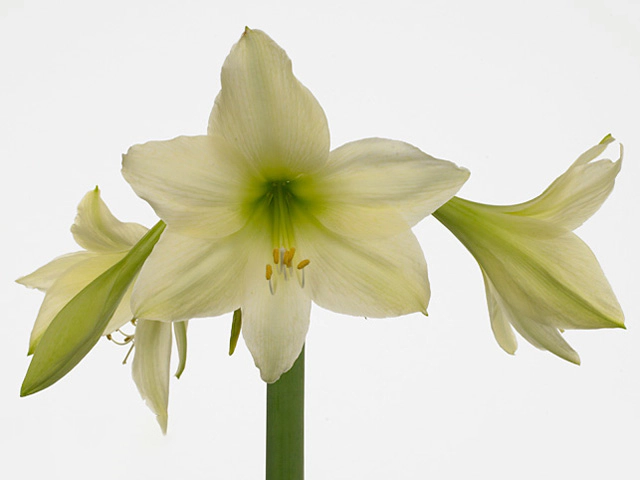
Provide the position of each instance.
(540, 278)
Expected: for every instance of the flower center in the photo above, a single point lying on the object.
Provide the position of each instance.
(283, 268)
(281, 208)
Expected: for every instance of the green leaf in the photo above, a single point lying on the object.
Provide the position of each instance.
(180, 331)
(78, 326)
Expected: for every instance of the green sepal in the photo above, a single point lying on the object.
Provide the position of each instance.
(180, 332)
(236, 326)
(78, 326)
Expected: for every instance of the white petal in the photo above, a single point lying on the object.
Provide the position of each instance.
(379, 277)
(43, 278)
(195, 184)
(186, 277)
(558, 278)
(577, 194)
(383, 174)
(274, 326)
(545, 337)
(67, 286)
(499, 317)
(151, 363)
(266, 112)
(97, 230)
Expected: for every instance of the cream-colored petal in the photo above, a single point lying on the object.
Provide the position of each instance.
(97, 230)
(545, 337)
(151, 363)
(195, 184)
(558, 278)
(266, 112)
(499, 316)
(186, 277)
(45, 276)
(67, 286)
(274, 326)
(379, 174)
(378, 277)
(577, 194)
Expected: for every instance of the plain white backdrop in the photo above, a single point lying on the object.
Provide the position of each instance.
(512, 90)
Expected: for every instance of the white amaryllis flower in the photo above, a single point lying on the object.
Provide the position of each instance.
(106, 241)
(261, 216)
(540, 278)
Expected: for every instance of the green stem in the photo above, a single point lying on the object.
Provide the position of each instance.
(285, 425)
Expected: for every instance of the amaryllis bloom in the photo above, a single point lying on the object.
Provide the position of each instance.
(540, 278)
(106, 241)
(262, 216)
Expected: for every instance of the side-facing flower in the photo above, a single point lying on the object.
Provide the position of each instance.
(540, 278)
(107, 241)
(262, 216)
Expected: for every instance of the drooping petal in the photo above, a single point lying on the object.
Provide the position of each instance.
(545, 337)
(266, 112)
(195, 184)
(559, 277)
(375, 179)
(45, 276)
(186, 277)
(499, 316)
(274, 326)
(577, 194)
(151, 363)
(67, 286)
(97, 230)
(377, 277)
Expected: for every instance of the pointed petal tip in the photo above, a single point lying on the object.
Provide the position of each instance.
(163, 420)
(571, 357)
(608, 138)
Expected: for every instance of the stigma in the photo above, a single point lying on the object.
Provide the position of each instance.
(284, 268)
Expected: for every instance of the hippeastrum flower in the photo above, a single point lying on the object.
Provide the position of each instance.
(540, 278)
(262, 216)
(107, 241)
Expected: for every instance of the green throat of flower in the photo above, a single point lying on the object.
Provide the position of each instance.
(281, 207)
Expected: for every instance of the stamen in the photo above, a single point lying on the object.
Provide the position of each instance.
(276, 255)
(288, 256)
(269, 272)
(124, 362)
(303, 264)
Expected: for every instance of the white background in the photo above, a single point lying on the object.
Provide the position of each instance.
(512, 90)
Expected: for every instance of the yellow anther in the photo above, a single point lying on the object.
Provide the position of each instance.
(288, 256)
(276, 255)
(269, 272)
(303, 264)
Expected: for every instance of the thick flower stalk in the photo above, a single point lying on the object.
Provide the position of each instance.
(540, 278)
(106, 242)
(262, 217)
